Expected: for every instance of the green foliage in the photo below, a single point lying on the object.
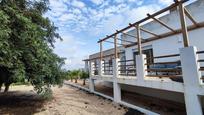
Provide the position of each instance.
(27, 42)
(84, 75)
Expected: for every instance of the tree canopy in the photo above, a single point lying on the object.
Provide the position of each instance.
(26, 43)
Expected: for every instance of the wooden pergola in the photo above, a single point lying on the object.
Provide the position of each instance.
(183, 12)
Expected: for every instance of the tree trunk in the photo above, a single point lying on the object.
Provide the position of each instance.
(0, 86)
(84, 81)
(6, 88)
(71, 80)
(75, 80)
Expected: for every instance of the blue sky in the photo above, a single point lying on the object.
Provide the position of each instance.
(82, 23)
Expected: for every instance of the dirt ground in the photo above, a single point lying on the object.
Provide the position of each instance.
(22, 100)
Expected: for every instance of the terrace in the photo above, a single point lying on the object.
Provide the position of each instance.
(182, 75)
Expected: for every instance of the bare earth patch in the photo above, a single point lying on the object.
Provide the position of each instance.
(22, 100)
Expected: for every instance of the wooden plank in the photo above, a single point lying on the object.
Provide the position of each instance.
(165, 76)
(125, 60)
(164, 70)
(175, 62)
(126, 65)
(165, 56)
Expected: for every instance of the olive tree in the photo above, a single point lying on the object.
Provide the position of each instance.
(26, 45)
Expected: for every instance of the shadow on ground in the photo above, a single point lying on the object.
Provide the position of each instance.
(19, 102)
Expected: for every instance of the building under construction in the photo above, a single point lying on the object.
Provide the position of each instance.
(160, 56)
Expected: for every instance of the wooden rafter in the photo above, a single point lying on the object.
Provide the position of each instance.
(147, 31)
(129, 35)
(113, 43)
(123, 40)
(190, 17)
(162, 23)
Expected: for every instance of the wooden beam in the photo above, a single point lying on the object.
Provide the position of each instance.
(101, 51)
(124, 40)
(162, 23)
(129, 35)
(115, 47)
(190, 17)
(113, 43)
(138, 39)
(145, 19)
(183, 25)
(164, 35)
(147, 31)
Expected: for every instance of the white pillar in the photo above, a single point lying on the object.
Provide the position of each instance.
(116, 85)
(91, 73)
(191, 77)
(141, 67)
(91, 85)
(86, 66)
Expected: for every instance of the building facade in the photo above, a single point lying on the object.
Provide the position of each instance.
(158, 59)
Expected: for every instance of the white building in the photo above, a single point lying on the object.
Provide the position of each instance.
(166, 69)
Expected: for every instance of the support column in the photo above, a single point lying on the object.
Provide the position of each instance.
(192, 80)
(91, 81)
(116, 85)
(86, 66)
(184, 29)
(141, 67)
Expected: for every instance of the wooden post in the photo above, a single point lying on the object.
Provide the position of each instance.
(139, 40)
(115, 47)
(183, 25)
(101, 51)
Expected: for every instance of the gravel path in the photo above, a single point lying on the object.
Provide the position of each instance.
(22, 100)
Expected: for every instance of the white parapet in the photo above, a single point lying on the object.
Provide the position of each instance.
(101, 69)
(91, 71)
(191, 77)
(141, 67)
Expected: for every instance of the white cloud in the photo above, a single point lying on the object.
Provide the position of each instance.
(165, 2)
(97, 2)
(70, 49)
(66, 17)
(78, 4)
